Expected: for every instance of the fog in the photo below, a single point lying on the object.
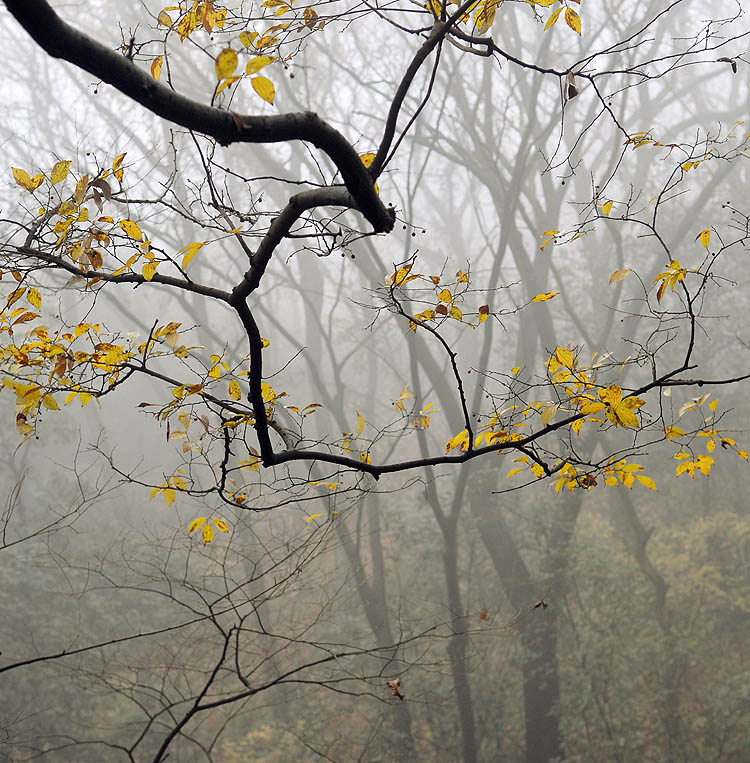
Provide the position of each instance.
(489, 501)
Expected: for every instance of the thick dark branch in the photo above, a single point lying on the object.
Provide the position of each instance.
(280, 228)
(61, 40)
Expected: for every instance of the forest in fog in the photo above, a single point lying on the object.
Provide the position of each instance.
(373, 381)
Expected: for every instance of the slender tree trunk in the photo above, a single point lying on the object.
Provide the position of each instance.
(637, 541)
(372, 596)
(457, 646)
(538, 629)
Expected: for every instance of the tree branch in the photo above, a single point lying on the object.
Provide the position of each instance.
(61, 40)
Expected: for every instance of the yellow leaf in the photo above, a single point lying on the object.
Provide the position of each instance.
(80, 190)
(131, 229)
(25, 181)
(573, 20)
(360, 423)
(461, 439)
(455, 313)
(15, 295)
(646, 481)
(225, 64)
(59, 172)
(672, 433)
(576, 425)
(547, 295)
(34, 298)
(208, 534)
(190, 250)
(484, 17)
(314, 516)
(156, 67)
(548, 414)
(445, 296)
(618, 275)
(118, 161)
(742, 454)
(247, 39)
(266, 41)
(484, 312)
(221, 525)
(154, 492)
(196, 523)
(264, 88)
(148, 270)
(254, 65)
(268, 392)
(164, 19)
(228, 82)
(169, 495)
(552, 19)
(704, 236)
(49, 402)
(234, 390)
(512, 472)
(607, 208)
(565, 357)
(515, 370)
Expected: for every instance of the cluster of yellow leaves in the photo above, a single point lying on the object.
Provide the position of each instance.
(536, 469)
(447, 300)
(550, 236)
(674, 273)
(422, 418)
(168, 490)
(226, 64)
(619, 410)
(627, 474)
(203, 15)
(616, 472)
(208, 17)
(641, 138)
(572, 19)
(207, 532)
(399, 404)
(58, 173)
(490, 433)
(670, 277)
(484, 15)
(690, 463)
(460, 441)
(47, 363)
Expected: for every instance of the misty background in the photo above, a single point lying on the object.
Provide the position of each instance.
(608, 624)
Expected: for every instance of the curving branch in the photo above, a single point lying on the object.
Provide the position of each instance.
(61, 40)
